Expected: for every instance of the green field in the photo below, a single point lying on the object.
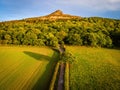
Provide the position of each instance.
(26, 68)
(95, 69)
(31, 68)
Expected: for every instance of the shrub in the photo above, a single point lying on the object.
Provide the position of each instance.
(67, 57)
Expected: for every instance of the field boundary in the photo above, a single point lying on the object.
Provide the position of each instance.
(66, 76)
(52, 84)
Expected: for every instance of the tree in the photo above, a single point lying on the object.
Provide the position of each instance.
(29, 38)
(61, 35)
(74, 39)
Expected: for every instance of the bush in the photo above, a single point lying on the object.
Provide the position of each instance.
(67, 57)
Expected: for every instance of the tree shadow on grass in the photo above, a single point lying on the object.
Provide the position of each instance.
(43, 81)
(37, 56)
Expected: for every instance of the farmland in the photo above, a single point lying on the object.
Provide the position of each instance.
(26, 68)
(95, 69)
(32, 68)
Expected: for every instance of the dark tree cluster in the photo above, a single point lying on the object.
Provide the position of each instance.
(93, 31)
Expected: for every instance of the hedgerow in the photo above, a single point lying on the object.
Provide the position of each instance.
(52, 84)
(68, 57)
(66, 76)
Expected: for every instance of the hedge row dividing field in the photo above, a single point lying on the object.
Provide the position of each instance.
(53, 80)
(66, 76)
(26, 68)
(95, 68)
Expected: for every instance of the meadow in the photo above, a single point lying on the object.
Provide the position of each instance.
(94, 68)
(26, 68)
(32, 68)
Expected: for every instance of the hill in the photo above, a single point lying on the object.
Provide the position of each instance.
(58, 14)
(57, 27)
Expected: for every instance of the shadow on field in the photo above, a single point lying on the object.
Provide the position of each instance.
(43, 81)
(37, 56)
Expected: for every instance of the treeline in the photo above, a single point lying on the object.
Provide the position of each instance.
(92, 31)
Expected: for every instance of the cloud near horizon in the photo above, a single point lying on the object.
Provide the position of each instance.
(92, 4)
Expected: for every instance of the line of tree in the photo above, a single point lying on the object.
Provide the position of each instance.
(93, 31)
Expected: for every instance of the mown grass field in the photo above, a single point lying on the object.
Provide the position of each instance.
(95, 69)
(26, 68)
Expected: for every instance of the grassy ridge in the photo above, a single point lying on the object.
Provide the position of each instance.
(95, 69)
(26, 68)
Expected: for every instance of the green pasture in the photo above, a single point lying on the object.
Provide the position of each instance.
(26, 68)
(95, 68)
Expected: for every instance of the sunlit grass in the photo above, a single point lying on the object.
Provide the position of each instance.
(95, 69)
(26, 68)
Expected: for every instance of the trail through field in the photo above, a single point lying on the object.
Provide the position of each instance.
(61, 49)
(61, 77)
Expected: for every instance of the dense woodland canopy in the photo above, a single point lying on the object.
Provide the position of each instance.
(93, 31)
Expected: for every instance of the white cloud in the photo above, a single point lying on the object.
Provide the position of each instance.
(91, 4)
(113, 1)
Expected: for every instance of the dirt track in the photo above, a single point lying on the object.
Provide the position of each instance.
(61, 77)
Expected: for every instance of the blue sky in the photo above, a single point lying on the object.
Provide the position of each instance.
(19, 9)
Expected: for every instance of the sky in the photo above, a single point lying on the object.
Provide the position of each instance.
(20, 9)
